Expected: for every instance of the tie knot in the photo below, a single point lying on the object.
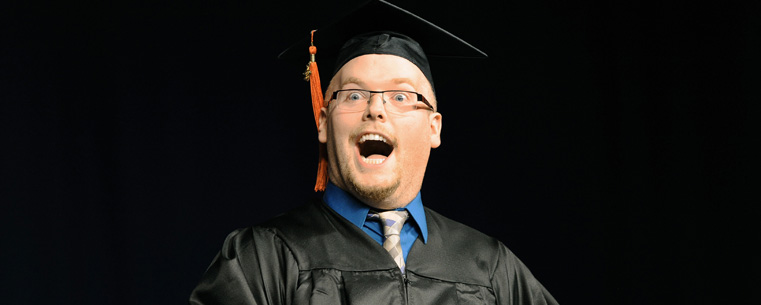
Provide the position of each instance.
(392, 221)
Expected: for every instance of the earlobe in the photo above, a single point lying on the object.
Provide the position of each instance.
(435, 130)
(322, 129)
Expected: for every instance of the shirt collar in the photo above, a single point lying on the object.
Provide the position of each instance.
(356, 212)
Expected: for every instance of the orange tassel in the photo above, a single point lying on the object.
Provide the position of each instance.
(317, 103)
(314, 84)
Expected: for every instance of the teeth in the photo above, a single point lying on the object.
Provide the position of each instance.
(373, 161)
(372, 137)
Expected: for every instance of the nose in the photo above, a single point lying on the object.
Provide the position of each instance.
(376, 110)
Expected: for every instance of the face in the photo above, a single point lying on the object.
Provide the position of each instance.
(377, 155)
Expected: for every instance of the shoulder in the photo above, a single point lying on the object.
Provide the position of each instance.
(460, 235)
(240, 243)
(273, 232)
(310, 234)
(475, 258)
(469, 255)
(467, 242)
(301, 222)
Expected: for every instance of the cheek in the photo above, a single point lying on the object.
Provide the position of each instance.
(418, 141)
(339, 130)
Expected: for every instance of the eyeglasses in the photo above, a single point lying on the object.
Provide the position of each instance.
(395, 100)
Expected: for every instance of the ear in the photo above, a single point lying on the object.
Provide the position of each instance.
(435, 129)
(322, 129)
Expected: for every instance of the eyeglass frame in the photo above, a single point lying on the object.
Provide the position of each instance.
(420, 97)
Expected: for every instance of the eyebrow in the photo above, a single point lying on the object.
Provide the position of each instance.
(403, 80)
(396, 81)
(353, 80)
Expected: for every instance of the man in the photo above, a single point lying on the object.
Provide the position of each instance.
(370, 240)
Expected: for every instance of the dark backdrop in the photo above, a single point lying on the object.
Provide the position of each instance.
(608, 145)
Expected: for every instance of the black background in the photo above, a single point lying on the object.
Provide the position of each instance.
(608, 145)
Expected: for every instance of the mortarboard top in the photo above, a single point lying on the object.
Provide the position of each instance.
(377, 27)
(411, 37)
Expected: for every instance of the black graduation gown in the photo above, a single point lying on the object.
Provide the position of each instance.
(312, 255)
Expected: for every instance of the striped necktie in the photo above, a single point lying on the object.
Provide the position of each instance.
(392, 224)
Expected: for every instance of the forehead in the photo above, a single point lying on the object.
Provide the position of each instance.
(379, 70)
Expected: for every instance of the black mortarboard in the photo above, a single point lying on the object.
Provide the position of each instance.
(377, 27)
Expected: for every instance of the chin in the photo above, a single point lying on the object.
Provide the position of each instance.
(375, 192)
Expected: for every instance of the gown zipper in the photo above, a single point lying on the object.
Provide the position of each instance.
(406, 283)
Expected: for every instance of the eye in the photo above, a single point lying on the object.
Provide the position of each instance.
(400, 97)
(354, 96)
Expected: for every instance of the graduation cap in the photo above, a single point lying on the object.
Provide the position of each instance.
(377, 27)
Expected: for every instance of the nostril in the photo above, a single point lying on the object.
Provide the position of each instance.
(370, 116)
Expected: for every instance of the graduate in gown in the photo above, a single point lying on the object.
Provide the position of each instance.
(370, 240)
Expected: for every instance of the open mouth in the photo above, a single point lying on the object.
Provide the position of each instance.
(374, 148)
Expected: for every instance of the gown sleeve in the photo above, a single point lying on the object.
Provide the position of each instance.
(253, 267)
(514, 284)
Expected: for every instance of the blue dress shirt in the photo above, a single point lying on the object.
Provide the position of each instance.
(356, 212)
